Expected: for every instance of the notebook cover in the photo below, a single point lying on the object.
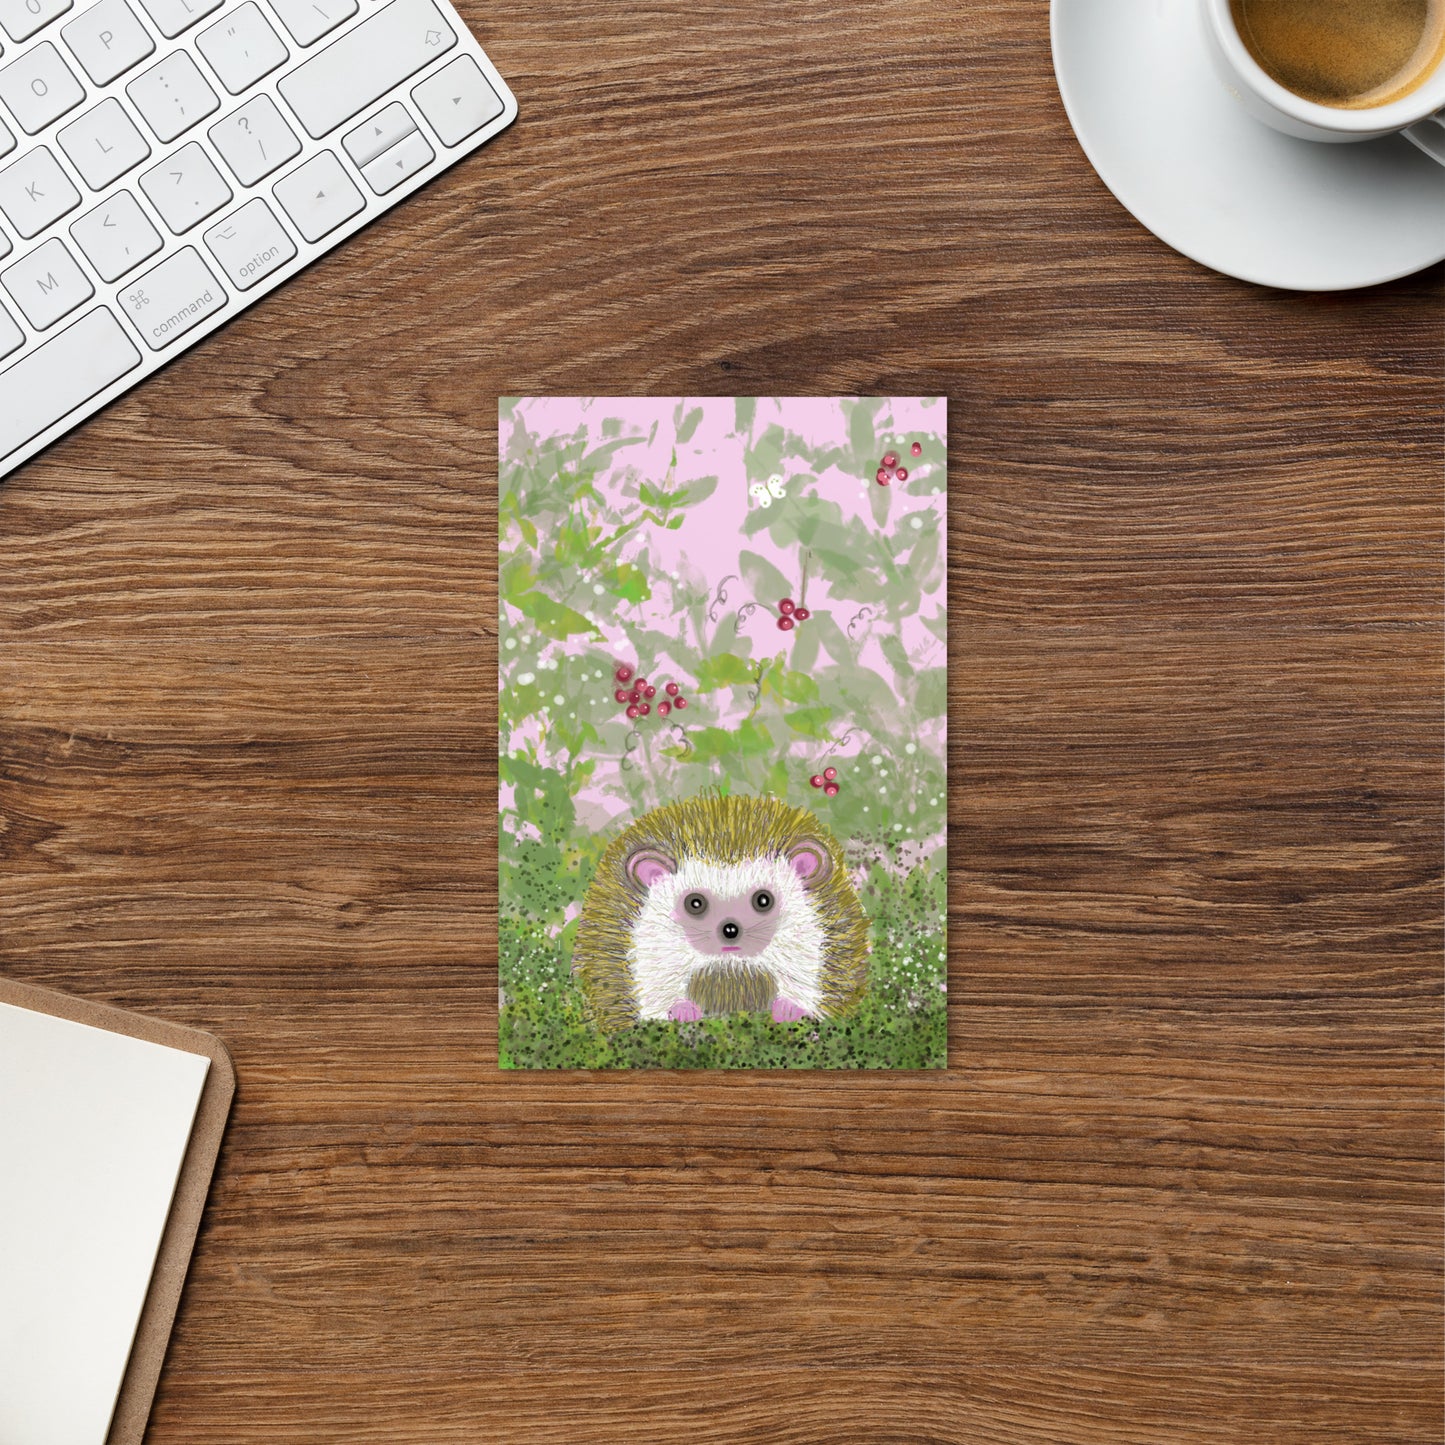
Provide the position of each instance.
(723, 642)
(143, 1371)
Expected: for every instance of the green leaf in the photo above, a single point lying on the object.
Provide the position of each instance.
(769, 586)
(754, 739)
(897, 655)
(797, 686)
(629, 583)
(553, 619)
(689, 423)
(811, 722)
(517, 579)
(726, 669)
(675, 523)
(930, 692)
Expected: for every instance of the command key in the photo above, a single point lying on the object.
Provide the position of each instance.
(177, 295)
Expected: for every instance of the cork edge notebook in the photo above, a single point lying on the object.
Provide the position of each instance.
(147, 1356)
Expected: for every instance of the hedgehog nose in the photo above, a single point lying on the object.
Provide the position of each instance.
(730, 930)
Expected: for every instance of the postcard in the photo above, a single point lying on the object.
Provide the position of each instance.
(723, 711)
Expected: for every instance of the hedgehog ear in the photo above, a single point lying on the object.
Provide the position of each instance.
(811, 861)
(646, 865)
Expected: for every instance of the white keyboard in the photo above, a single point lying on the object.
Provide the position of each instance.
(164, 163)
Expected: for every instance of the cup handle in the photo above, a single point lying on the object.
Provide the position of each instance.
(1429, 135)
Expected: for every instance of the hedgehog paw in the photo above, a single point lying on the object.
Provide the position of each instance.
(684, 1011)
(785, 1011)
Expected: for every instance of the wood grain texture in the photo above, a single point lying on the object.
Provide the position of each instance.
(1181, 1182)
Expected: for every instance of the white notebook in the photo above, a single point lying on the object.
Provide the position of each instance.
(94, 1127)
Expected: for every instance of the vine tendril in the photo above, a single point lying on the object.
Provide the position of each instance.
(721, 597)
(633, 742)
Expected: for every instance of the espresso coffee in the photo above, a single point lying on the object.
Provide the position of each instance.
(1352, 54)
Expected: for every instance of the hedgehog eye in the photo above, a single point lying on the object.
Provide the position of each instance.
(762, 900)
(696, 904)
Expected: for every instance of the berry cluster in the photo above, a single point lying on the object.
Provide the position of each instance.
(890, 471)
(636, 695)
(792, 614)
(827, 780)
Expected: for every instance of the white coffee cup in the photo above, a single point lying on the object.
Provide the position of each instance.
(1420, 115)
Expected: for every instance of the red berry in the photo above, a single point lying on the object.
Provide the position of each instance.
(639, 682)
(917, 449)
(802, 614)
(830, 773)
(902, 474)
(622, 695)
(816, 780)
(831, 789)
(672, 689)
(634, 696)
(633, 711)
(645, 708)
(785, 624)
(663, 708)
(649, 691)
(890, 459)
(681, 702)
(624, 674)
(884, 476)
(786, 606)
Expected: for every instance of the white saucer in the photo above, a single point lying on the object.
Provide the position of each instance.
(1181, 154)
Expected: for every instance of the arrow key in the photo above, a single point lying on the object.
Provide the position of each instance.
(457, 101)
(379, 133)
(319, 195)
(400, 163)
(116, 237)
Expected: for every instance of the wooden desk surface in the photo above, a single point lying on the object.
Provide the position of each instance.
(1182, 1180)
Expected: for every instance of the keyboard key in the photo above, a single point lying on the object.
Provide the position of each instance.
(22, 18)
(39, 88)
(365, 63)
(457, 101)
(173, 16)
(402, 161)
(103, 144)
(53, 380)
(255, 140)
(117, 236)
(47, 284)
(107, 40)
(172, 96)
(12, 338)
(309, 20)
(379, 134)
(250, 244)
(185, 188)
(34, 191)
(177, 295)
(318, 196)
(241, 48)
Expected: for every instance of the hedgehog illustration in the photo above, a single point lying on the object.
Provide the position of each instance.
(720, 905)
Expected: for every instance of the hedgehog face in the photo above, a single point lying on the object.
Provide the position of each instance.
(700, 916)
(726, 915)
(732, 925)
